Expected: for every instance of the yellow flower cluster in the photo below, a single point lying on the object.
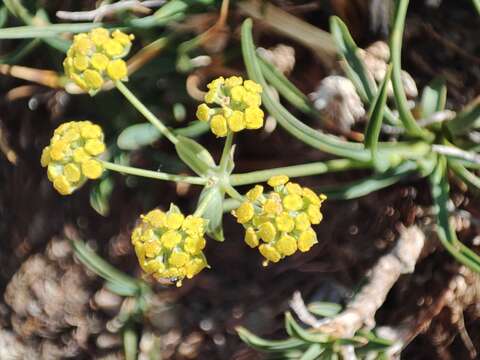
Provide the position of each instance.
(95, 56)
(70, 157)
(169, 245)
(280, 222)
(238, 105)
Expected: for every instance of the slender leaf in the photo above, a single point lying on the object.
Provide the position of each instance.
(268, 345)
(312, 137)
(445, 231)
(354, 67)
(295, 330)
(289, 91)
(137, 136)
(466, 120)
(325, 309)
(406, 116)
(194, 155)
(434, 97)
(472, 180)
(370, 184)
(102, 268)
(46, 31)
(376, 116)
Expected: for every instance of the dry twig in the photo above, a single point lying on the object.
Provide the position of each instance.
(361, 310)
(109, 9)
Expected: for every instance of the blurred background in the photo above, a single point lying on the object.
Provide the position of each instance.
(53, 308)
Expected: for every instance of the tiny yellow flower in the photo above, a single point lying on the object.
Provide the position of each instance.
(71, 157)
(219, 125)
(238, 105)
(280, 222)
(97, 56)
(169, 245)
(203, 112)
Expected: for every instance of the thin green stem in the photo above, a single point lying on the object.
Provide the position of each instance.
(153, 174)
(145, 112)
(406, 116)
(226, 152)
(232, 192)
(315, 168)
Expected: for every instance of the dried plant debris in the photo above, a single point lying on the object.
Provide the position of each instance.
(55, 310)
(339, 103)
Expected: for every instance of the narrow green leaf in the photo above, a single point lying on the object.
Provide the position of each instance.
(267, 345)
(325, 309)
(46, 31)
(312, 137)
(466, 120)
(295, 330)
(354, 67)
(446, 233)
(434, 97)
(194, 155)
(102, 268)
(289, 91)
(213, 211)
(376, 116)
(137, 136)
(396, 37)
(313, 352)
(472, 180)
(370, 184)
(174, 10)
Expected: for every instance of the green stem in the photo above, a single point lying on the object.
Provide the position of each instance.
(153, 174)
(297, 171)
(145, 112)
(406, 116)
(232, 192)
(226, 152)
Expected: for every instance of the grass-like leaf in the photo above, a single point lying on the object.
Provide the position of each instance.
(370, 184)
(434, 97)
(354, 67)
(396, 37)
(328, 143)
(129, 285)
(376, 116)
(466, 120)
(268, 345)
(285, 87)
(446, 234)
(472, 180)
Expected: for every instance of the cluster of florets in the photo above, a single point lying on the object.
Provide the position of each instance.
(238, 105)
(70, 158)
(280, 223)
(169, 245)
(95, 56)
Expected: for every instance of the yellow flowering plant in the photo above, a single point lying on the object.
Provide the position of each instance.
(169, 245)
(277, 216)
